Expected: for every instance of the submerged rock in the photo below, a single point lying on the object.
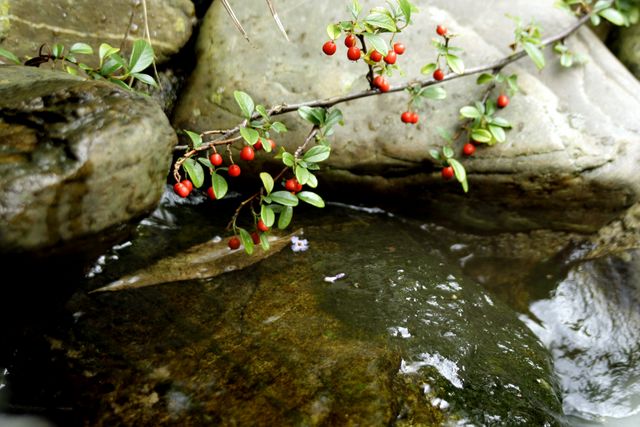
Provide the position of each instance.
(369, 326)
(26, 25)
(569, 162)
(78, 158)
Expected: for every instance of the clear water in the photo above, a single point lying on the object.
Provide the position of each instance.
(585, 312)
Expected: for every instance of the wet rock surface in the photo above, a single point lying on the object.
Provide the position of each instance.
(78, 158)
(370, 326)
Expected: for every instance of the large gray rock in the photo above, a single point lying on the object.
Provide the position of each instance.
(25, 25)
(627, 47)
(77, 157)
(569, 162)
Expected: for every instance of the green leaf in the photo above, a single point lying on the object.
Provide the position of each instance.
(334, 31)
(246, 240)
(57, 50)
(285, 217)
(245, 102)
(381, 20)
(279, 127)
(455, 63)
(106, 50)
(249, 135)
(429, 68)
(9, 55)
(595, 20)
(262, 111)
(461, 174)
(267, 215)
(613, 16)
(433, 92)
(315, 116)
(490, 107)
(499, 121)
(447, 151)
(284, 198)
(470, 112)
(485, 78)
(111, 65)
(317, 154)
(535, 54)
(71, 70)
(206, 162)
(196, 138)
(355, 9)
(333, 118)
(566, 60)
(312, 181)
(498, 133)
(81, 48)
(288, 159)
(264, 241)
(120, 83)
(435, 153)
(302, 174)
(220, 186)
(141, 56)
(481, 135)
(512, 81)
(376, 42)
(145, 78)
(195, 171)
(311, 198)
(267, 181)
(405, 7)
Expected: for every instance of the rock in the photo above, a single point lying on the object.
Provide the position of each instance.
(78, 157)
(24, 26)
(627, 48)
(568, 164)
(401, 337)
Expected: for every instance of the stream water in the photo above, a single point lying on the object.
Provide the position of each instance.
(382, 319)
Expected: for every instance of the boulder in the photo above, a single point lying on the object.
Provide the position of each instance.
(569, 163)
(78, 157)
(25, 25)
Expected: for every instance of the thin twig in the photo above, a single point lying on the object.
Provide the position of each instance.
(148, 34)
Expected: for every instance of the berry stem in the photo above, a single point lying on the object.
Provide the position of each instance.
(370, 72)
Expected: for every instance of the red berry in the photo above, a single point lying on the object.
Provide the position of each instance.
(234, 243)
(262, 226)
(298, 187)
(399, 48)
(391, 57)
(181, 189)
(447, 172)
(503, 101)
(258, 145)
(211, 194)
(234, 170)
(272, 143)
(350, 40)
(187, 184)
(377, 80)
(215, 159)
(406, 117)
(414, 117)
(438, 74)
(247, 154)
(291, 184)
(255, 237)
(375, 56)
(468, 149)
(381, 83)
(329, 48)
(441, 30)
(353, 53)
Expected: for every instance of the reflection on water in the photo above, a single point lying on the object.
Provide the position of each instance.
(591, 324)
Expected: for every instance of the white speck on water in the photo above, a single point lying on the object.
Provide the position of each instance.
(447, 368)
(216, 239)
(77, 315)
(457, 247)
(400, 331)
(488, 300)
(426, 388)
(298, 244)
(332, 279)
(272, 319)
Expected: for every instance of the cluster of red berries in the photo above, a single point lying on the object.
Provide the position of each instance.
(354, 53)
(248, 153)
(293, 185)
(410, 117)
